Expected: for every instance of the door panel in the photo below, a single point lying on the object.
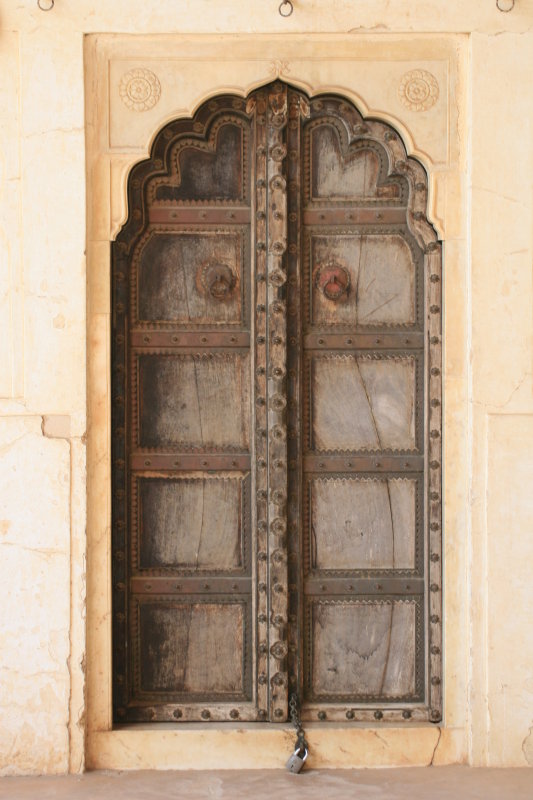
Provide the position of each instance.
(374, 276)
(276, 420)
(363, 388)
(192, 523)
(203, 170)
(190, 277)
(199, 400)
(177, 641)
(381, 389)
(378, 663)
(362, 523)
(335, 173)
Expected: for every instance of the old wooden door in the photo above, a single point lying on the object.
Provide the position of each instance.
(276, 420)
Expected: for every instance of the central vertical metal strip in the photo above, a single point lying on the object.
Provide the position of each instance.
(298, 107)
(277, 398)
(261, 450)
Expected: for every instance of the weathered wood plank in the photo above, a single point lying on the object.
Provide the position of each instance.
(362, 649)
(361, 403)
(199, 400)
(207, 171)
(190, 277)
(381, 273)
(192, 648)
(335, 175)
(191, 523)
(358, 524)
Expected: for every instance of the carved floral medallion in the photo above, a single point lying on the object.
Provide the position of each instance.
(418, 90)
(140, 89)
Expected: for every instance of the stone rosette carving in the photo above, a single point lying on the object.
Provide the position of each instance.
(140, 89)
(418, 90)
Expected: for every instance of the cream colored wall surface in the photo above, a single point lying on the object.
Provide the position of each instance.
(54, 326)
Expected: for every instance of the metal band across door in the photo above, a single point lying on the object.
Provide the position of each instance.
(276, 376)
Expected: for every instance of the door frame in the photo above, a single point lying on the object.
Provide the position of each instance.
(108, 166)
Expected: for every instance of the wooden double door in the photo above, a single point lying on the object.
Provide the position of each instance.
(276, 420)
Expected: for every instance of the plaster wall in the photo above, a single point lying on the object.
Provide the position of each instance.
(67, 141)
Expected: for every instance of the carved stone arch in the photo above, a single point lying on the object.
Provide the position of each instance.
(238, 284)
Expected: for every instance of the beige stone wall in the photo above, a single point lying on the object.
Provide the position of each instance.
(67, 141)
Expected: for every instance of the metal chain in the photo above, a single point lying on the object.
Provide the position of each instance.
(294, 710)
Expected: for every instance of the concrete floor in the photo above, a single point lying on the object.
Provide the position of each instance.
(435, 783)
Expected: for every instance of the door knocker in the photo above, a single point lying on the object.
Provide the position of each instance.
(333, 281)
(217, 279)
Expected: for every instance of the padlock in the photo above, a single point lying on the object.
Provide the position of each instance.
(297, 760)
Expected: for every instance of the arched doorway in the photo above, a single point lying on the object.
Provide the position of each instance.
(276, 420)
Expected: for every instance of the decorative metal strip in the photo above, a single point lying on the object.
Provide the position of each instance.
(298, 109)
(363, 463)
(259, 238)
(199, 216)
(357, 216)
(182, 585)
(372, 713)
(119, 409)
(326, 585)
(187, 462)
(363, 341)
(277, 398)
(184, 339)
(434, 477)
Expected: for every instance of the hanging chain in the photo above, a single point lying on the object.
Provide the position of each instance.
(301, 743)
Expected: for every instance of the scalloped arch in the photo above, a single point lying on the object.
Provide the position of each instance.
(419, 162)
